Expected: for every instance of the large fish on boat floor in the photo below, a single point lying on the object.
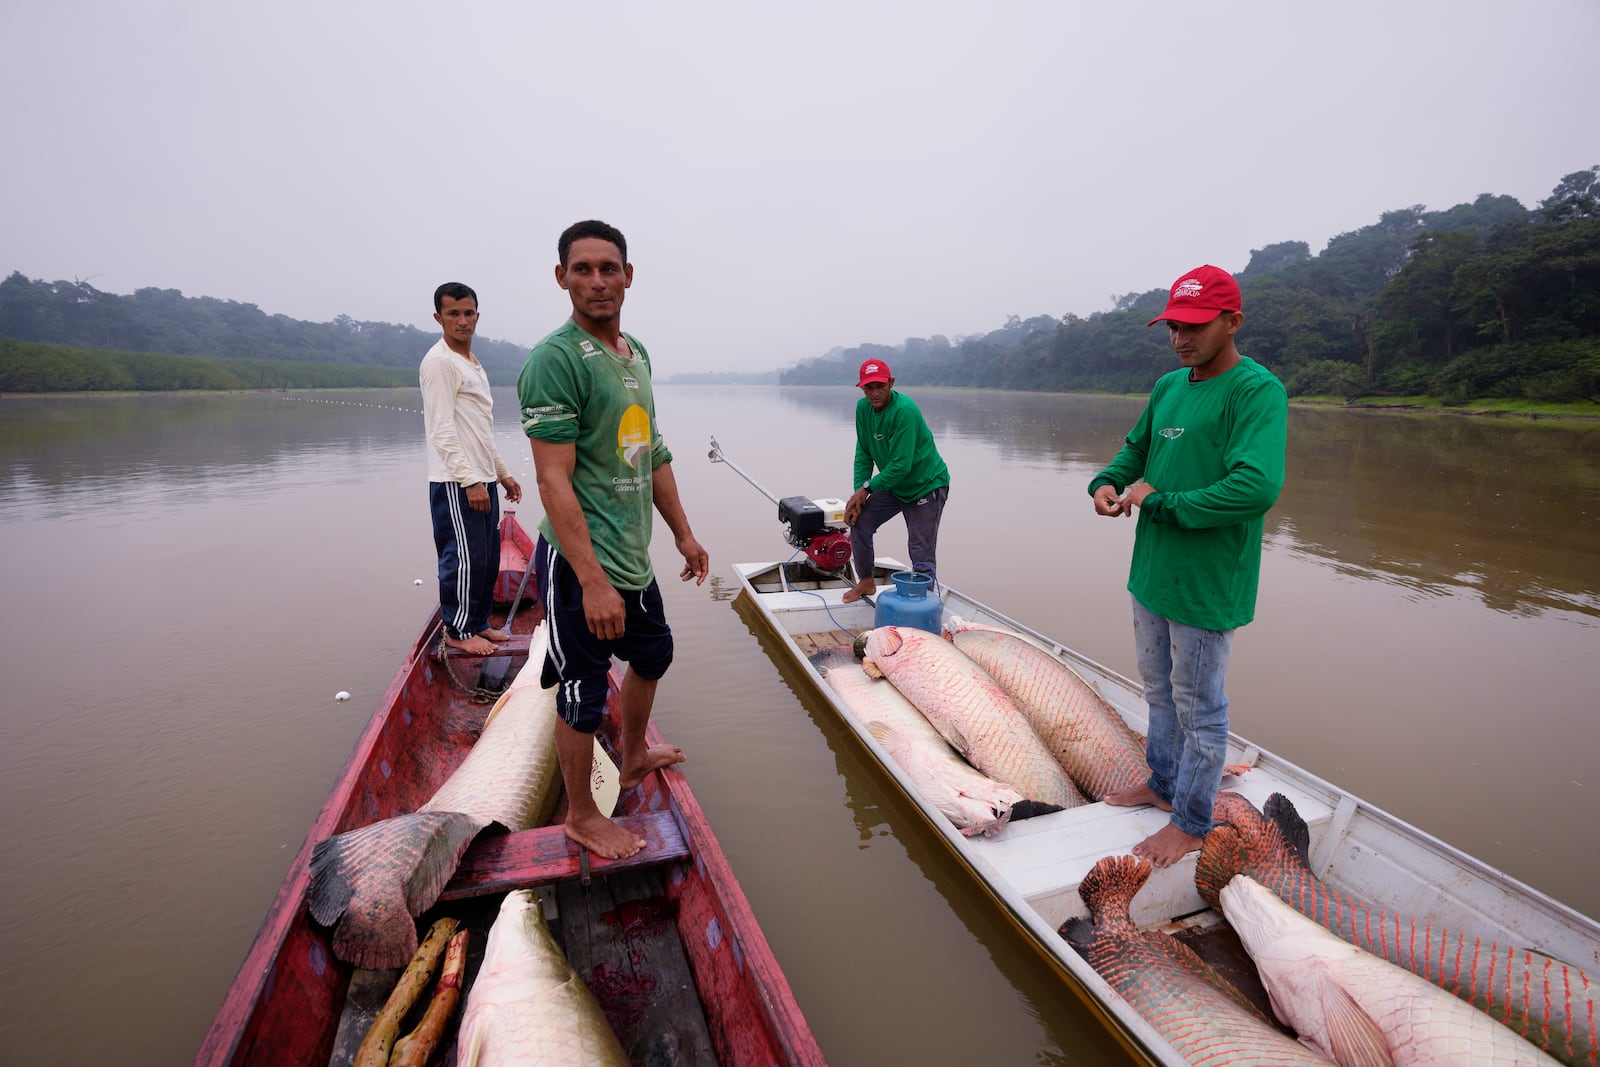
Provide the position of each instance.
(970, 710)
(1353, 1006)
(1091, 741)
(1551, 1003)
(528, 1007)
(974, 802)
(374, 881)
(1198, 1013)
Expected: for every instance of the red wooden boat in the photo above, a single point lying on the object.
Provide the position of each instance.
(704, 989)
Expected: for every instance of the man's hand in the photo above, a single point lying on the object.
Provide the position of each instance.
(1134, 497)
(478, 497)
(513, 489)
(853, 506)
(1106, 502)
(604, 611)
(696, 564)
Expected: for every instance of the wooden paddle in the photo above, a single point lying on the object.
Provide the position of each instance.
(492, 675)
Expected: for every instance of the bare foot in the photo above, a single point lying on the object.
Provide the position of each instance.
(654, 757)
(1166, 846)
(603, 837)
(1135, 795)
(475, 645)
(499, 637)
(865, 587)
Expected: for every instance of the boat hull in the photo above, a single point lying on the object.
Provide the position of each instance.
(1032, 868)
(289, 997)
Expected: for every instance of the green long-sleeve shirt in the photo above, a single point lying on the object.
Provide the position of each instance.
(1214, 451)
(899, 444)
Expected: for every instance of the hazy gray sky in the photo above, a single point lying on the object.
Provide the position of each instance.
(789, 177)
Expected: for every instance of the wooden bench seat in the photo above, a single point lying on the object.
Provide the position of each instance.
(517, 646)
(498, 863)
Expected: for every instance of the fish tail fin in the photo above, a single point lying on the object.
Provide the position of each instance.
(374, 881)
(1079, 932)
(1280, 809)
(826, 659)
(1027, 809)
(1109, 889)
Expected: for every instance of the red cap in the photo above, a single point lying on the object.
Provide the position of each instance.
(1200, 296)
(874, 370)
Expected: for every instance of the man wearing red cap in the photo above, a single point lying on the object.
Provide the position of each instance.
(911, 479)
(1202, 466)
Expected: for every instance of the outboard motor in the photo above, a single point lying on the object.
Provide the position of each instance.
(817, 528)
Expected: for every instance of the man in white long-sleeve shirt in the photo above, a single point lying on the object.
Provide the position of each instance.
(464, 470)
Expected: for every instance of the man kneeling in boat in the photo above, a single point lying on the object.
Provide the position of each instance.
(590, 416)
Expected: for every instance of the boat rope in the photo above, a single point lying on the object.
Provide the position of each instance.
(474, 692)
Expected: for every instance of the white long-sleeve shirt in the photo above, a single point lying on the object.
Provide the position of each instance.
(458, 418)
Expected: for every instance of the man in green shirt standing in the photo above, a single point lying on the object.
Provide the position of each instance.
(911, 479)
(602, 466)
(1202, 466)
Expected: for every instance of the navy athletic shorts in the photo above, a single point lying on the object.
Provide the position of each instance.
(579, 660)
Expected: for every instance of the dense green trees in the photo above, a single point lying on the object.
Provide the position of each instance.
(1482, 299)
(35, 368)
(237, 342)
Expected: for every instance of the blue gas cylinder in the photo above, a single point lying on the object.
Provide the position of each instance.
(908, 603)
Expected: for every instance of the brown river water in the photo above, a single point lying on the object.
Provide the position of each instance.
(189, 580)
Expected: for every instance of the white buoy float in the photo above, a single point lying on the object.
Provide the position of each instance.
(416, 581)
(341, 696)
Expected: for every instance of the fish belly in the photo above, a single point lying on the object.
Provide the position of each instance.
(970, 799)
(527, 1006)
(972, 712)
(510, 775)
(1091, 741)
(1342, 999)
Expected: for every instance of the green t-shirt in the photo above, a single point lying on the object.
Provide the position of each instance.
(575, 390)
(898, 442)
(1214, 452)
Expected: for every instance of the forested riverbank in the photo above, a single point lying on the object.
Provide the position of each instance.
(1482, 302)
(1486, 300)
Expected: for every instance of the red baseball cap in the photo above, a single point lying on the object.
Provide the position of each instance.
(1200, 296)
(874, 370)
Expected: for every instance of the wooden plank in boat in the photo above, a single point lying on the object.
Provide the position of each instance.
(517, 646)
(811, 644)
(497, 863)
(620, 936)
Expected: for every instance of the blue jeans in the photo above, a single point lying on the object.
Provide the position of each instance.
(1183, 668)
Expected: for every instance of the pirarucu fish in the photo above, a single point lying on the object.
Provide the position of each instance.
(970, 710)
(376, 880)
(1350, 1005)
(527, 1006)
(974, 802)
(1097, 749)
(1209, 1022)
(1549, 1002)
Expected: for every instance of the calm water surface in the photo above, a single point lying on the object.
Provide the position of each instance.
(188, 581)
